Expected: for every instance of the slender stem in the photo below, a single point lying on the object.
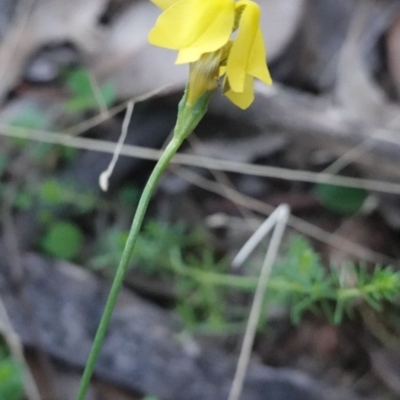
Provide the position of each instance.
(151, 184)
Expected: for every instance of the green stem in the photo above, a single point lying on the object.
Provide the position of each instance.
(188, 118)
(151, 184)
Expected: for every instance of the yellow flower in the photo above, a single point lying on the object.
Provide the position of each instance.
(204, 33)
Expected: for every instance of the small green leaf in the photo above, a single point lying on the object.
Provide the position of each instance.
(59, 193)
(129, 195)
(108, 93)
(63, 240)
(69, 153)
(340, 199)
(110, 249)
(80, 104)
(339, 311)
(24, 200)
(11, 380)
(29, 118)
(79, 83)
(83, 97)
(51, 192)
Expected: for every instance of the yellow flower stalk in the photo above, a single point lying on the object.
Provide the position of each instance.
(220, 40)
(217, 37)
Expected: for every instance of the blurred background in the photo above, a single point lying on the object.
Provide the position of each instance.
(324, 139)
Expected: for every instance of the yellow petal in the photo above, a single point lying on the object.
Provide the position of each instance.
(194, 27)
(257, 65)
(189, 55)
(164, 4)
(245, 98)
(242, 47)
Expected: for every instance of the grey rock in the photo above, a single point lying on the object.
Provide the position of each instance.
(46, 65)
(7, 8)
(311, 59)
(143, 349)
(49, 21)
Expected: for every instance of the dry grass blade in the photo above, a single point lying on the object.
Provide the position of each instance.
(89, 123)
(187, 159)
(300, 225)
(219, 176)
(23, 12)
(278, 220)
(98, 96)
(17, 353)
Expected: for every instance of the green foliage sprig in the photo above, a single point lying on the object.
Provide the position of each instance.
(204, 286)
